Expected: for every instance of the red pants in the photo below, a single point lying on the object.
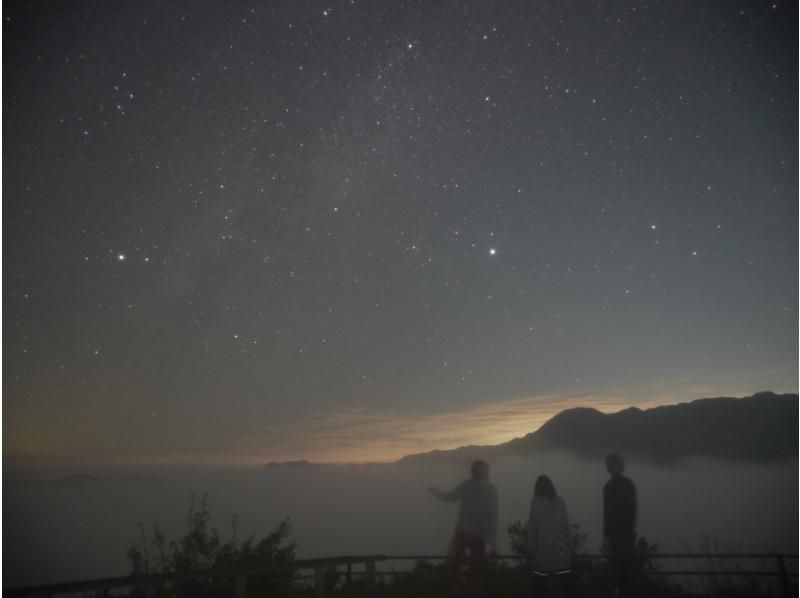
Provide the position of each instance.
(475, 583)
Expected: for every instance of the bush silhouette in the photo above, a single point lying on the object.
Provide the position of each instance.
(201, 550)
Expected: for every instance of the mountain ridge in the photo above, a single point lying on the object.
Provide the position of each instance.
(760, 428)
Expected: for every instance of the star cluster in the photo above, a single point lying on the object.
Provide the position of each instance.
(224, 216)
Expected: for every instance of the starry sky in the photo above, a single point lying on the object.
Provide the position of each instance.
(239, 231)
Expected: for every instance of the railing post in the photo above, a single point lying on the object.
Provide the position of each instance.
(784, 577)
(240, 588)
(349, 573)
(319, 581)
(370, 565)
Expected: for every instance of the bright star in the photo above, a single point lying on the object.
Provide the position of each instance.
(121, 257)
(493, 251)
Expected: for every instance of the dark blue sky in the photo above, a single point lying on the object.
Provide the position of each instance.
(350, 230)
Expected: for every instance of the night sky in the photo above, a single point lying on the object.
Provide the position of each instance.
(244, 231)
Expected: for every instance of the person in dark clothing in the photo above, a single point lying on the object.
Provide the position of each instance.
(619, 525)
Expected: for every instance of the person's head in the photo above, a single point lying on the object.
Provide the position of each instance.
(615, 464)
(544, 488)
(480, 470)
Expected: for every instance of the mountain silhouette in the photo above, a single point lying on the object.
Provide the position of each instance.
(761, 428)
(299, 464)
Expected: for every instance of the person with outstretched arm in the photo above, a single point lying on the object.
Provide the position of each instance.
(476, 528)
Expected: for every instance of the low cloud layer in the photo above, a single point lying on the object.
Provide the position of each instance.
(83, 529)
(358, 435)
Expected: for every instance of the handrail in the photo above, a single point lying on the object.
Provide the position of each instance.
(781, 572)
(657, 555)
(322, 565)
(159, 578)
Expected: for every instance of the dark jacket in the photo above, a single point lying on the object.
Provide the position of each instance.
(619, 508)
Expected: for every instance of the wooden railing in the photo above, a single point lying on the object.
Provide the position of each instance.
(318, 568)
(782, 571)
(318, 573)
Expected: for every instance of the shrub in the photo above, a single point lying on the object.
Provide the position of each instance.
(200, 549)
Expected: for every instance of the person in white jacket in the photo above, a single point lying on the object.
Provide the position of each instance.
(550, 540)
(476, 529)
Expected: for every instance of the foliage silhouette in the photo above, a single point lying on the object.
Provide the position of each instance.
(201, 549)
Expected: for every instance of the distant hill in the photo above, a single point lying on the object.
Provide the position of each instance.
(145, 479)
(761, 428)
(301, 464)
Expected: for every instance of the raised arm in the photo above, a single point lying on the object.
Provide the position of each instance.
(452, 496)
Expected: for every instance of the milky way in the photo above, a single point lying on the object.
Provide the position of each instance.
(225, 217)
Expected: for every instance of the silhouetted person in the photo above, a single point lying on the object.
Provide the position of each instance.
(550, 542)
(476, 528)
(619, 525)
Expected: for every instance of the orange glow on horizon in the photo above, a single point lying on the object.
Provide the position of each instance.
(359, 435)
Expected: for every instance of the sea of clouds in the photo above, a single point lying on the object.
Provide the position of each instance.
(82, 529)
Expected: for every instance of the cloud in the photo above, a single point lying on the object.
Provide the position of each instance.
(362, 435)
(359, 434)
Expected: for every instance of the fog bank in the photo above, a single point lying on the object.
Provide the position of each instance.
(81, 528)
